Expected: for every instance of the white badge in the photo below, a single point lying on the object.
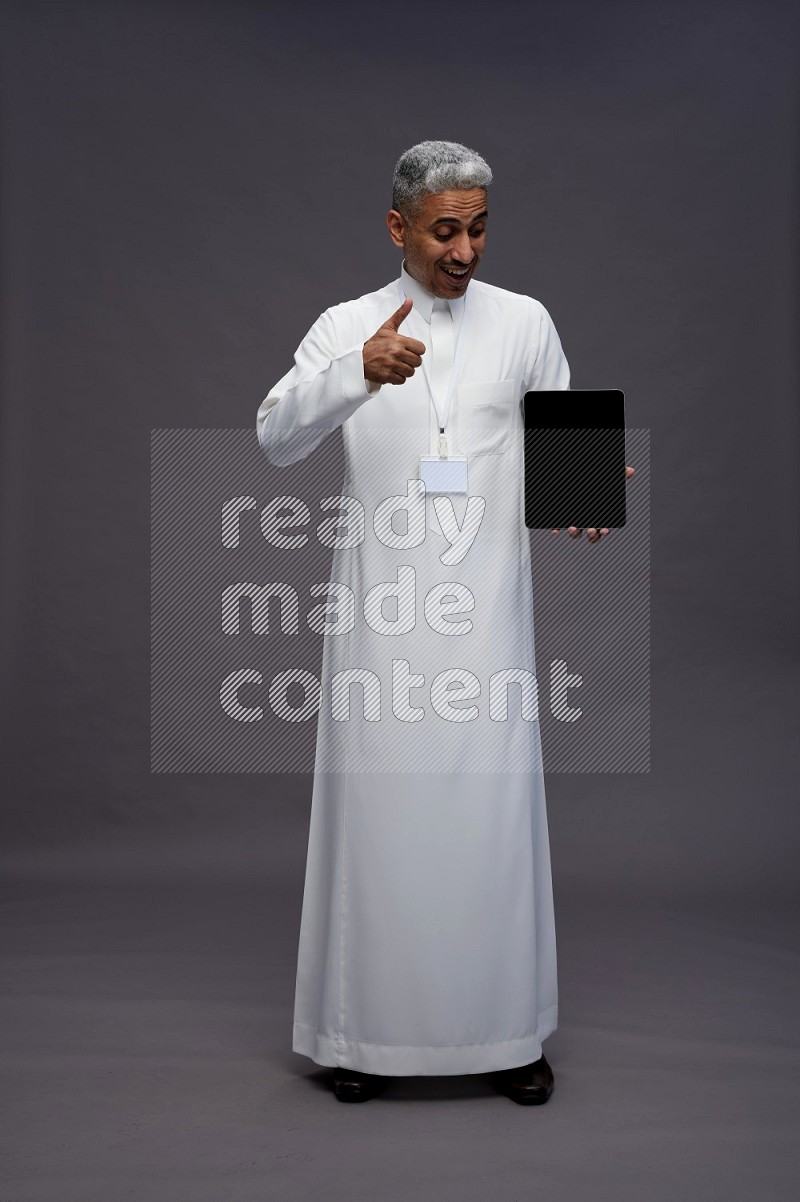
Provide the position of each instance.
(444, 475)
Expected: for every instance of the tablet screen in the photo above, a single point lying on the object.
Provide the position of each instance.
(575, 458)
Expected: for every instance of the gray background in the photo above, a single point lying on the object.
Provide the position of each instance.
(184, 189)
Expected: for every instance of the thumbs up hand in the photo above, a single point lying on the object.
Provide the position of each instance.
(391, 357)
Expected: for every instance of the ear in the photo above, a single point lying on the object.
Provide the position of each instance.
(397, 227)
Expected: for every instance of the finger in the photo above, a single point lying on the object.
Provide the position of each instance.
(629, 471)
(396, 378)
(398, 371)
(408, 357)
(555, 531)
(573, 531)
(399, 316)
(414, 346)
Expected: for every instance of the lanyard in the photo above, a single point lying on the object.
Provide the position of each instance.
(443, 411)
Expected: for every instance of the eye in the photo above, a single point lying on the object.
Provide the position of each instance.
(444, 236)
(478, 233)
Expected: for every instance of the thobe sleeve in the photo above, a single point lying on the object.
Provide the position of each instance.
(324, 388)
(547, 365)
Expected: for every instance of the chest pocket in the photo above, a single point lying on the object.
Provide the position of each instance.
(484, 416)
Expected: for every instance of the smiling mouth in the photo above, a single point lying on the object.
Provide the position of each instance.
(456, 274)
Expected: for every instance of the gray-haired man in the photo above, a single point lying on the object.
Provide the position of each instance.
(427, 942)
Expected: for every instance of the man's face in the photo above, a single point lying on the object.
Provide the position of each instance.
(444, 240)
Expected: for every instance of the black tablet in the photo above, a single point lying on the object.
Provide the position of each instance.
(575, 458)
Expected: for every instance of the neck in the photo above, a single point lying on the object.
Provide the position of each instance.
(408, 271)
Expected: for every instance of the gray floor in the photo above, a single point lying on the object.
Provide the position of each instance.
(147, 1015)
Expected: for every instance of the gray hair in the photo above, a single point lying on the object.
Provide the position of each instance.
(431, 167)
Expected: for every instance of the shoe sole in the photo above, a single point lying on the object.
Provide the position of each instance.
(346, 1096)
(525, 1100)
(530, 1101)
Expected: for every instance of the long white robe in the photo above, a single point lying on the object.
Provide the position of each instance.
(427, 940)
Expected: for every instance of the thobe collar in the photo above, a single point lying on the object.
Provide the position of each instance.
(423, 300)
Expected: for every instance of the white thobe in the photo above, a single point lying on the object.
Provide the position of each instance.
(427, 938)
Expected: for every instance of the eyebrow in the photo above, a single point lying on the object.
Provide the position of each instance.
(455, 220)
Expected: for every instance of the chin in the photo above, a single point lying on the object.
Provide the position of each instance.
(440, 289)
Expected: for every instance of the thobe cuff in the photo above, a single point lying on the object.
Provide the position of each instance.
(355, 386)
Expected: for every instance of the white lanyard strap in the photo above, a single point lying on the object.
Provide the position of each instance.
(443, 410)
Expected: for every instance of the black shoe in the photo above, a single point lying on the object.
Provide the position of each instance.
(530, 1084)
(349, 1085)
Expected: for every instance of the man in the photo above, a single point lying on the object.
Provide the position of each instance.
(427, 942)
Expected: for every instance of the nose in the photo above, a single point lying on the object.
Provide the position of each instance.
(462, 249)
